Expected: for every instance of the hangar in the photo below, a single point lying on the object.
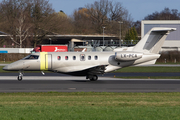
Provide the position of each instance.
(172, 42)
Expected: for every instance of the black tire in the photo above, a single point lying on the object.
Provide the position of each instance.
(19, 78)
(94, 78)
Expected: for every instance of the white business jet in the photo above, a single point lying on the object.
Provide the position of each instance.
(91, 64)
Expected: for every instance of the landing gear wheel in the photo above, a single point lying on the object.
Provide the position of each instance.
(94, 78)
(19, 78)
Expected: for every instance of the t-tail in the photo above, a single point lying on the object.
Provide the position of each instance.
(146, 51)
(153, 40)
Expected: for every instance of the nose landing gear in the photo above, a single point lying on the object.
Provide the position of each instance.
(19, 78)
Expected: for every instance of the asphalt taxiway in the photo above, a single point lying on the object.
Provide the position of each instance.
(35, 82)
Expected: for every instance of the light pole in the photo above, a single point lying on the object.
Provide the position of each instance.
(50, 40)
(120, 22)
(111, 42)
(103, 36)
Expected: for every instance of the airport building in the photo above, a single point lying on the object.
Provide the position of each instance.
(172, 42)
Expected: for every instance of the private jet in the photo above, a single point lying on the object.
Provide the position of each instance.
(92, 64)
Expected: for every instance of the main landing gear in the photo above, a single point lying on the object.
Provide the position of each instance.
(19, 78)
(92, 77)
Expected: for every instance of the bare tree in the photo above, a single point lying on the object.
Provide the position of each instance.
(118, 13)
(102, 13)
(42, 20)
(23, 22)
(16, 17)
(82, 22)
(165, 14)
(137, 25)
(98, 14)
(64, 24)
(22, 19)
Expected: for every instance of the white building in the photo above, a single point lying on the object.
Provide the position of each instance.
(172, 41)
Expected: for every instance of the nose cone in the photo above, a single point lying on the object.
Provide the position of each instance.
(13, 66)
(6, 67)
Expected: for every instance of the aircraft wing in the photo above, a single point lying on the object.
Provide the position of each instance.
(100, 69)
(97, 69)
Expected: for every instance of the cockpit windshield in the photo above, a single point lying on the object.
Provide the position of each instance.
(31, 57)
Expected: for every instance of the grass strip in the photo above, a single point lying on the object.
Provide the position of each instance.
(150, 77)
(6, 62)
(167, 63)
(155, 69)
(89, 106)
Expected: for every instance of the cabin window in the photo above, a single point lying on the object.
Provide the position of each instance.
(74, 57)
(59, 57)
(89, 57)
(96, 57)
(66, 57)
(82, 57)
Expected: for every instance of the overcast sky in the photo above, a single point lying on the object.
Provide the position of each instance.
(137, 8)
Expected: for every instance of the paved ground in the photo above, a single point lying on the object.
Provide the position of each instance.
(3, 64)
(36, 82)
(105, 75)
(76, 84)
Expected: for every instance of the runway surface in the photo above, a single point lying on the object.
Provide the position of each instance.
(35, 82)
(105, 75)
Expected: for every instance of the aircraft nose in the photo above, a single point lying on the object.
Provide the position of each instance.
(6, 67)
(13, 66)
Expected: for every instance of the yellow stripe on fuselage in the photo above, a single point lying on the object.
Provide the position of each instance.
(43, 61)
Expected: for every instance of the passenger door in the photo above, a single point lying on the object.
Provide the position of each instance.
(48, 61)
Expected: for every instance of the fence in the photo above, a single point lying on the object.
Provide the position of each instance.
(170, 56)
(16, 50)
(11, 56)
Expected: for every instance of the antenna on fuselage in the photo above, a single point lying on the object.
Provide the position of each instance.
(42, 73)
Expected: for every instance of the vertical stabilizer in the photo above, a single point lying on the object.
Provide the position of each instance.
(153, 40)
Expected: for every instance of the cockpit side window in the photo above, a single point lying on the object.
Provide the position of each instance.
(31, 57)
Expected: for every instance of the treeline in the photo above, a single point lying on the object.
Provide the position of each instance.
(27, 22)
(165, 14)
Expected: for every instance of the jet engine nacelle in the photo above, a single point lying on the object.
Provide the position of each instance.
(128, 55)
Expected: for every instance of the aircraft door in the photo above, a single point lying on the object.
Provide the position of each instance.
(48, 61)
